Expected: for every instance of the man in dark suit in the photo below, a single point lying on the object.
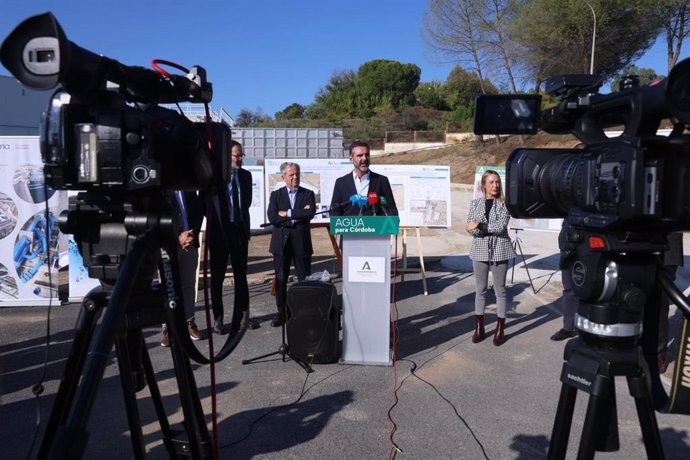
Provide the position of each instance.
(228, 235)
(362, 181)
(191, 214)
(290, 209)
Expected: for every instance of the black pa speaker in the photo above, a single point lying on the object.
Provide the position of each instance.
(314, 324)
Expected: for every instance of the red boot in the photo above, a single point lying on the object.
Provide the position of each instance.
(498, 335)
(478, 328)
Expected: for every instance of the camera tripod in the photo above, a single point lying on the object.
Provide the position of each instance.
(129, 304)
(592, 369)
(619, 291)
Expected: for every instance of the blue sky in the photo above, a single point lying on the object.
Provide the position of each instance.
(258, 54)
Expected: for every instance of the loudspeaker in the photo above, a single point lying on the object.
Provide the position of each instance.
(314, 323)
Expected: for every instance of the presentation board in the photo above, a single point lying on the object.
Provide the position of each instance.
(32, 249)
(422, 192)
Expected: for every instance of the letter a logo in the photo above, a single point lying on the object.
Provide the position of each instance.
(366, 266)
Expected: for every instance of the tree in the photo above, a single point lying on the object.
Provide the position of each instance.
(495, 18)
(431, 95)
(381, 82)
(291, 112)
(246, 117)
(676, 19)
(451, 29)
(463, 87)
(555, 35)
(645, 76)
(338, 96)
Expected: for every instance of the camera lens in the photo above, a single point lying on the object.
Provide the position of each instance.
(560, 182)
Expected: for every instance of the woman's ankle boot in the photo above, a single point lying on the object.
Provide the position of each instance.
(498, 335)
(478, 328)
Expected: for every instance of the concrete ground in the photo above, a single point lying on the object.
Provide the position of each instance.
(445, 397)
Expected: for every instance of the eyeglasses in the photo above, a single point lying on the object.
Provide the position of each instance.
(238, 156)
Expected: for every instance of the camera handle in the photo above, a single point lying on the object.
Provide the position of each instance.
(125, 314)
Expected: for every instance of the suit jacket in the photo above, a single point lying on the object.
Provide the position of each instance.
(297, 232)
(344, 188)
(195, 213)
(494, 245)
(220, 215)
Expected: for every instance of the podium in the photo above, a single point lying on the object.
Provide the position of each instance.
(366, 287)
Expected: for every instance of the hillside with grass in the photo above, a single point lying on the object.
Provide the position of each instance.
(464, 157)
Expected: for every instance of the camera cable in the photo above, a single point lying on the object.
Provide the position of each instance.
(38, 388)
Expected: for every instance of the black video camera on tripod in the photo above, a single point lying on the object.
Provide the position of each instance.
(104, 134)
(622, 197)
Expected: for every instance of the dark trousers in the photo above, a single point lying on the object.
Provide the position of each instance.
(281, 265)
(236, 248)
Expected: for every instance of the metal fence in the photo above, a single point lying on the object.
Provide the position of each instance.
(290, 142)
(415, 136)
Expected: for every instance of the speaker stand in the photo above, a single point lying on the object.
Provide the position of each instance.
(284, 351)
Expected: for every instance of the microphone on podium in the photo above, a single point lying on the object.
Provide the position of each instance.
(384, 203)
(358, 201)
(373, 200)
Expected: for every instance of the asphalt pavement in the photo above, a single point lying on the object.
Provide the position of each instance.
(444, 398)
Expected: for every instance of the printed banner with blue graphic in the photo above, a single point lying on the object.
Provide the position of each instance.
(32, 249)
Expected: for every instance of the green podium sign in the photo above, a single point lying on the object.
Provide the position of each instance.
(365, 225)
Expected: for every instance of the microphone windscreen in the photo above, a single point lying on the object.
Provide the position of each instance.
(372, 198)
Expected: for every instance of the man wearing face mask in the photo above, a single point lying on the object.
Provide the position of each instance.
(290, 210)
(229, 236)
(362, 181)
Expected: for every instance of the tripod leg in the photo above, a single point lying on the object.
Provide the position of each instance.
(157, 401)
(600, 431)
(72, 440)
(194, 422)
(563, 422)
(124, 354)
(645, 413)
(91, 309)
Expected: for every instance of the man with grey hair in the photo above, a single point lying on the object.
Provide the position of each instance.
(290, 211)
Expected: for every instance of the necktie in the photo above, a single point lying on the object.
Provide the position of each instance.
(179, 197)
(292, 194)
(236, 212)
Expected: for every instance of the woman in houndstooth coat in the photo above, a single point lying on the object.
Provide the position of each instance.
(491, 250)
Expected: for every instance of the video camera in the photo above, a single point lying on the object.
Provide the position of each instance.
(621, 197)
(103, 129)
(638, 179)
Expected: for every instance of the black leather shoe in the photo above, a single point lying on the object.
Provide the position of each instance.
(253, 324)
(277, 322)
(563, 334)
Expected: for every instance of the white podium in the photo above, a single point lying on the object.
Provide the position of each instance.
(366, 287)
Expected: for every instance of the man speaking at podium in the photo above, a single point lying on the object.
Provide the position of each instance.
(373, 189)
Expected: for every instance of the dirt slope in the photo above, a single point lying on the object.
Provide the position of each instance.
(464, 157)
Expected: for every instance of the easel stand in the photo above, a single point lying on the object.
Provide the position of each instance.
(284, 352)
(421, 257)
(592, 370)
(517, 247)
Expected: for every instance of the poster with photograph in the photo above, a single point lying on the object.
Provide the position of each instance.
(28, 226)
(422, 192)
